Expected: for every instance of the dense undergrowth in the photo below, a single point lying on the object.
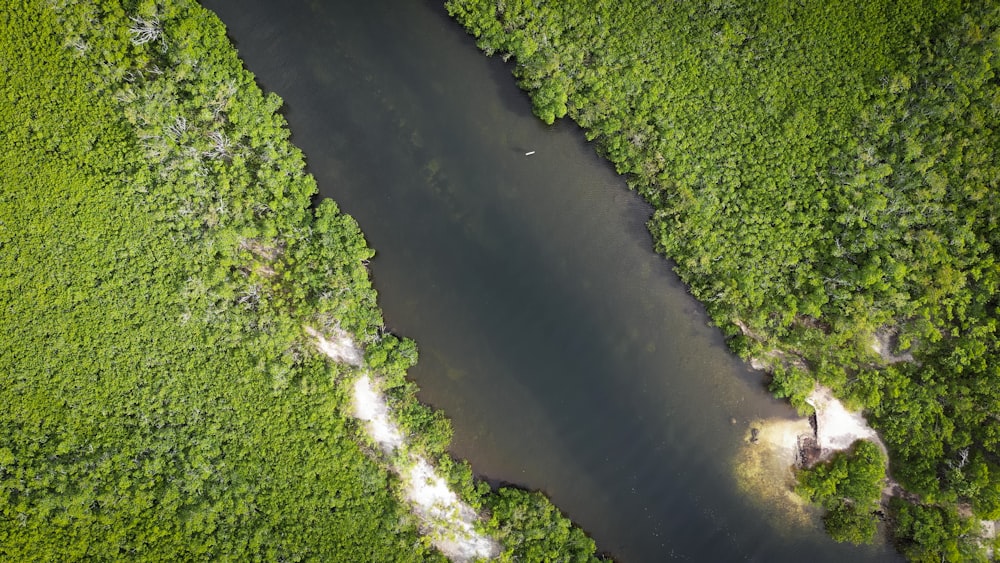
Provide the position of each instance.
(825, 177)
(849, 487)
(159, 260)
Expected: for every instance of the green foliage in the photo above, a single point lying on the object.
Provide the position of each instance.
(428, 429)
(532, 529)
(855, 475)
(159, 400)
(794, 384)
(849, 486)
(850, 522)
(931, 534)
(825, 177)
(391, 356)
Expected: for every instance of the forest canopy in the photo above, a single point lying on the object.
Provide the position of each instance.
(160, 257)
(824, 176)
(157, 404)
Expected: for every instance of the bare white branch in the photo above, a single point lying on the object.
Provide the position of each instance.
(178, 128)
(144, 30)
(80, 45)
(221, 146)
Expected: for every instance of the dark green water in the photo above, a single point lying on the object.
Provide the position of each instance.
(567, 354)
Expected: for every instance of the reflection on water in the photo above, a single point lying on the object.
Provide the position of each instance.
(567, 354)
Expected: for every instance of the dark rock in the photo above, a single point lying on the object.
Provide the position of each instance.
(809, 451)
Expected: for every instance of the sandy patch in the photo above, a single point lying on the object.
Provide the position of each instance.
(444, 517)
(370, 407)
(338, 346)
(450, 521)
(836, 427)
(884, 342)
(987, 536)
(765, 467)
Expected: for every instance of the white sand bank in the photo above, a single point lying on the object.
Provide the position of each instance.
(451, 521)
(765, 466)
(370, 407)
(338, 347)
(836, 427)
(445, 518)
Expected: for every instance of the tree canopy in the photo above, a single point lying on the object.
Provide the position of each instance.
(849, 487)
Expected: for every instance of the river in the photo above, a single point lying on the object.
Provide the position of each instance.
(567, 354)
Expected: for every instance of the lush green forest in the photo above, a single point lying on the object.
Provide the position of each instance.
(849, 486)
(160, 257)
(825, 177)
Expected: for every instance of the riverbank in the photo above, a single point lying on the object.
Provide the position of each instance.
(804, 215)
(447, 521)
(159, 405)
(776, 448)
(168, 278)
(837, 427)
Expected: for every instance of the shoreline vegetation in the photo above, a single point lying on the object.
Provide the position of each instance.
(449, 522)
(825, 178)
(161, 264)
(779, 452)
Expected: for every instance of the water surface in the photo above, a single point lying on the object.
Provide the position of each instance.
(567, 354)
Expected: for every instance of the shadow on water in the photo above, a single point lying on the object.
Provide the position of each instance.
(501, 73)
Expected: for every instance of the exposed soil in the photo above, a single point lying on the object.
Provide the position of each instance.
(444, 517)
